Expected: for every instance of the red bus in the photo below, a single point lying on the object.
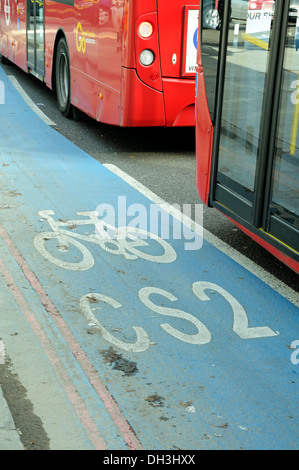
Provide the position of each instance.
(247, 116)
(123, 62)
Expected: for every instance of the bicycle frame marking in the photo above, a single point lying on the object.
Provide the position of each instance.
(119, 241)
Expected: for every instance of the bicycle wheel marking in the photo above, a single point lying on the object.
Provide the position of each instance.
(84, 265)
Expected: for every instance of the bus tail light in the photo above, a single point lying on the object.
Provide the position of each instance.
(148, 65)
(145, 29)
(147, 57)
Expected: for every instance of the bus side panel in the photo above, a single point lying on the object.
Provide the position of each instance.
(13, 31)
(94, 37)
(51, 13)
(58, 20)
(136, 97)
(85, 56)
(95, 98)
(110, 43)
(78, 24)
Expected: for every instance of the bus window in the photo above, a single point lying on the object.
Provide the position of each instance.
(246, 66)
(211, 13)
(35, 35)
(285, 178)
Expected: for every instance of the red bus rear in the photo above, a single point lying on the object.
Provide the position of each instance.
(123, 62)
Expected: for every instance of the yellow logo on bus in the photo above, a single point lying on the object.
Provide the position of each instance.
(83, 37)
(80, 39)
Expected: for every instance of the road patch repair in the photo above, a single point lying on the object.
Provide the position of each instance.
(124, 338)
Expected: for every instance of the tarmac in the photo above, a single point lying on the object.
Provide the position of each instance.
(9, 435)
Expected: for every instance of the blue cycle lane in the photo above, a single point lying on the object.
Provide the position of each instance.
(179, 349)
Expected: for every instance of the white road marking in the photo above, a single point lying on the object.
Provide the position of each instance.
(2, 353)
(245, 262)
(142, 343)
(29, 101)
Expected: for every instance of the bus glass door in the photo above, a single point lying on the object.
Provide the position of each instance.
(35, 36)
(255, 164)
(282, 213)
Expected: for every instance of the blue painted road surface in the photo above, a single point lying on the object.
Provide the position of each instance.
(131, 342)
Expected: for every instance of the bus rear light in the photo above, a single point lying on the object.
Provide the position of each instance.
(145, 29)
(147, 50)
(147, 57)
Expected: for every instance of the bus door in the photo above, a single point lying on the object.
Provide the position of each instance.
(250, 61)
(35, 37)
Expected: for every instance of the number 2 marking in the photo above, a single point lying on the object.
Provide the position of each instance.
(240, 326)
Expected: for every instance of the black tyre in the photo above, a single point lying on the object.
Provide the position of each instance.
(5, 61)
(63, 79)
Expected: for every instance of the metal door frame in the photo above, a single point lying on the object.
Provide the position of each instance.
(254, 215)
(33, 66)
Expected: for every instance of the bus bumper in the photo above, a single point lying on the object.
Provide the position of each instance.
(179, 98)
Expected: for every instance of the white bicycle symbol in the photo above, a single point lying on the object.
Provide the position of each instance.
(125, 241)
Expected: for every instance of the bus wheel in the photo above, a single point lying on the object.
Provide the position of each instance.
(4, 61)
(63, 79)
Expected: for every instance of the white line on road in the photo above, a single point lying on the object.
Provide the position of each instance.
(2, 353)
(29, 101)
(245, 262)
